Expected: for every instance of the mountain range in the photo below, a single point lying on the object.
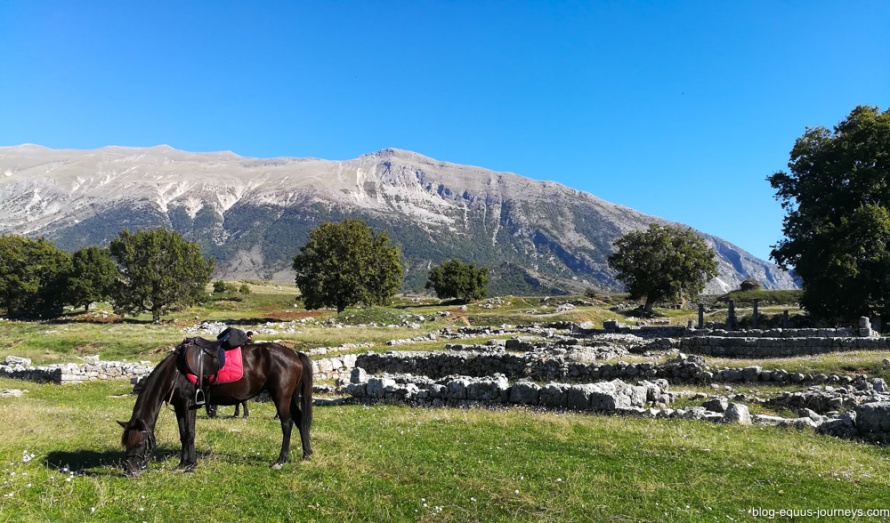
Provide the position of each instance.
(253, 214)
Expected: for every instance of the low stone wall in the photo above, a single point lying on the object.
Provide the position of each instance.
(62, 373)
(543, 368)
(456, 391)
(333, 368)
(737, 346)
(782, 333)
(92, 369)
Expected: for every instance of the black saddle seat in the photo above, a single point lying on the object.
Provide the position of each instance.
(202, 357)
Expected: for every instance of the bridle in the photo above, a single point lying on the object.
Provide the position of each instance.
(143, 454)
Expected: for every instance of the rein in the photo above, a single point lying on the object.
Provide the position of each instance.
(172, 387)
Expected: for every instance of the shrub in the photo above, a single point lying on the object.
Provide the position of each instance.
(750, 284)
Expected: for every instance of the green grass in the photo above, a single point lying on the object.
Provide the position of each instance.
(392, 463)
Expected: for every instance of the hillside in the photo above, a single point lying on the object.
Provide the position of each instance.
(253, 214)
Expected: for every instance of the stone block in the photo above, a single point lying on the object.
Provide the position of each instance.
(554, 396)
(719, 404)
(873, 418)
(737, 413)
(358, 375)
(525, 392)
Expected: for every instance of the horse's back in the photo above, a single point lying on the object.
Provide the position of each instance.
(270, 358)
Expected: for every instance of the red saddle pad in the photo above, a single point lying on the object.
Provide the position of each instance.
(233, 370)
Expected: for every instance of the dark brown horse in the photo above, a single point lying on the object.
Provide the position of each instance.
(286, 375)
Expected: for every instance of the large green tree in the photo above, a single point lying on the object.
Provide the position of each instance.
(32, 277)
(663, 263)
(836, 196)
(456, 279)
(92, 278)
(347, 263)
(160, 272)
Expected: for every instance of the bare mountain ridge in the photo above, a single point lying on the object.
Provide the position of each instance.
(252, 214)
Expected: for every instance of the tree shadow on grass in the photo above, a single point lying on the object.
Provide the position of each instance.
(105, 463)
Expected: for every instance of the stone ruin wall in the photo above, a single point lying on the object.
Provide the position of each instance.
(735, 345)
(480, 374)
(95, 370)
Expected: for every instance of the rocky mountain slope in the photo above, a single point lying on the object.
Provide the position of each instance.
(252, 214)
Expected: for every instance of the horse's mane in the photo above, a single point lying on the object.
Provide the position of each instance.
(154, 388)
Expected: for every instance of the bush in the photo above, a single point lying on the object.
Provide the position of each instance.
(244, 289)
(750, 284)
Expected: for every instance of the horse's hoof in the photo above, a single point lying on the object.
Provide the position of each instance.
(186, 469)
(277, 466)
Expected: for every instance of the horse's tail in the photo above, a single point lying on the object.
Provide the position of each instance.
(305, 393)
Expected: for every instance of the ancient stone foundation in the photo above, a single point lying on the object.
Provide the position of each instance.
(775, 344)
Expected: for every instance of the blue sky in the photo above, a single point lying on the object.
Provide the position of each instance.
(676, 109)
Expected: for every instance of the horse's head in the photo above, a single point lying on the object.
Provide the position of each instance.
(139, 441)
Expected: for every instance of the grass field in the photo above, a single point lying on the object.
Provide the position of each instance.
(60, 453)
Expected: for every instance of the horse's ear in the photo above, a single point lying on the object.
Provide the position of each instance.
(122, 423)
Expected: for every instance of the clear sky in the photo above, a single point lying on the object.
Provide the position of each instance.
(678, 109)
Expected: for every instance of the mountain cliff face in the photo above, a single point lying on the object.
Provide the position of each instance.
(252, 215)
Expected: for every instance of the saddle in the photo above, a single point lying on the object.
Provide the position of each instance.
(201, 360)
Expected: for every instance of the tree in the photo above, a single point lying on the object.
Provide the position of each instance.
(455, 279)
(836, 198)
(663, 263)
(160, 272)
(32, 277)
(92, 278)
(347, 263)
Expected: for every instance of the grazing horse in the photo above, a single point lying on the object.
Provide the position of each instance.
(286, 375)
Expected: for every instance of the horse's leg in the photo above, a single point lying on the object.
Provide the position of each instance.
(186, 419)
(282, 404)
(297, 415)
(237, 410)
(246, 412)
(192, 457)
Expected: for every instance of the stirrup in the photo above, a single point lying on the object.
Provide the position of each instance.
(200, 398)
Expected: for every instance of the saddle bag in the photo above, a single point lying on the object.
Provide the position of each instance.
(232, 338)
